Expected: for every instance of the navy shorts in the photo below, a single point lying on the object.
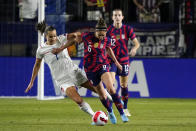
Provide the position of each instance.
(124, 72)
(95, 77)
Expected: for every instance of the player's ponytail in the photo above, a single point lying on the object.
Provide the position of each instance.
(101, 24)
(43, 28)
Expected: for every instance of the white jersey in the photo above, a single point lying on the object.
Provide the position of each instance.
(63, 70)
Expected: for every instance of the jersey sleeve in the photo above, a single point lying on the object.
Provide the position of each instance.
(108, 35)
(131, 33)
(108, 31)
(38, 54)
(62, 39)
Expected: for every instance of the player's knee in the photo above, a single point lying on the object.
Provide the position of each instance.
(113, 79)
(123, 84)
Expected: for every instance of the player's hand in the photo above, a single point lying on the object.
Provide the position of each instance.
(132, 52)
(56, 51)
(29, 87)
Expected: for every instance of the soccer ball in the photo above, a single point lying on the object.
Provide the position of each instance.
(100, 118)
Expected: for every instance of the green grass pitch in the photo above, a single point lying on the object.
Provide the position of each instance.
(65, 115)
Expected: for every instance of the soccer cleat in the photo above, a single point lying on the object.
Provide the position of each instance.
(112, 117)
(93, 123)
(127, 113)
(124, 118)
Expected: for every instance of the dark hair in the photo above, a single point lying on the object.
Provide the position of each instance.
(43, 27)
(101, 25)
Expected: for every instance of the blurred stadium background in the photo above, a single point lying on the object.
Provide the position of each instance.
(164, 66)
(162, 63)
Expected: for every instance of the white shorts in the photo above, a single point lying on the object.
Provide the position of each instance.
(76, 78)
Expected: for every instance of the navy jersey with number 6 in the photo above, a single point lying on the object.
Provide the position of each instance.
(119, 41)
(95, 55)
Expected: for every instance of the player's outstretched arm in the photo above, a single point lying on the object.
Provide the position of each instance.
(134, 49)
(34, 74)
(111, 54)
(72, 39)
(69, 43)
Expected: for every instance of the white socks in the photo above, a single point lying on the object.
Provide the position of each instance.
(86, 108)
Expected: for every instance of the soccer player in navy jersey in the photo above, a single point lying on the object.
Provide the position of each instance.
(120, 34)
(96, 65)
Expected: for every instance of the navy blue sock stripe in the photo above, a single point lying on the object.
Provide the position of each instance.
(125, 96)
(106, 103)
(118, 104)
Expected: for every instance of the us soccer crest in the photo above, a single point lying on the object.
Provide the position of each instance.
(101, 46)
(96, 45)
(123, 36)
(117, 37)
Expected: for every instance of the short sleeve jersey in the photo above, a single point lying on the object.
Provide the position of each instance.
(95, 55)
(119, 41)
(60, 64)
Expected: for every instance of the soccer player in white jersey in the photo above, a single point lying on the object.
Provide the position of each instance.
(66, 74)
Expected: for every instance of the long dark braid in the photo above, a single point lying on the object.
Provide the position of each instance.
(43, 27)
